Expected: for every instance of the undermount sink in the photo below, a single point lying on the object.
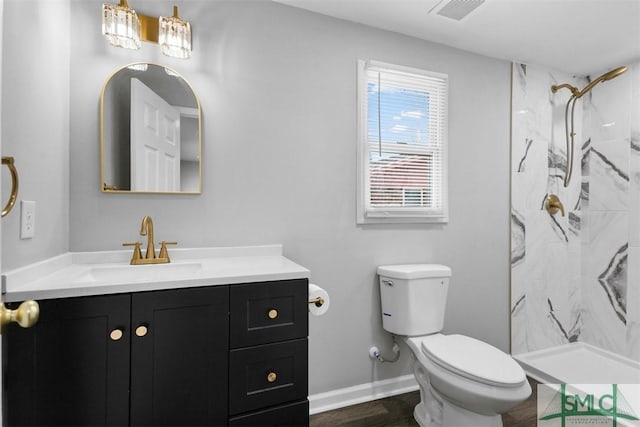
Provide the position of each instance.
(107, 272)
(138, 273)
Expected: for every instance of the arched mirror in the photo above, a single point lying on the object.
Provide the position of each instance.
(150, 132)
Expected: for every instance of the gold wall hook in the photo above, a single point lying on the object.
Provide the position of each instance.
(14, 184)
(26, 315)
(554, 205)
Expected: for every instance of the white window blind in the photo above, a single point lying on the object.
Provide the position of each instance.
(402, 144)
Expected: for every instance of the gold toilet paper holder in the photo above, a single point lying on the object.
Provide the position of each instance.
(319, 301)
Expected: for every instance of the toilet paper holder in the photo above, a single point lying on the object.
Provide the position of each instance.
(319, 301)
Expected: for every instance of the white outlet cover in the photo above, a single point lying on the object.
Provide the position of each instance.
(27, 219)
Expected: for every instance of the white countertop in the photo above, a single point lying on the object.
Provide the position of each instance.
(76, 274)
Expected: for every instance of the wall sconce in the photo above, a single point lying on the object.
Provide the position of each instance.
(123, 27)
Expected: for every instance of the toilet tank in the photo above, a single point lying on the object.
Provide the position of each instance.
(413, 298)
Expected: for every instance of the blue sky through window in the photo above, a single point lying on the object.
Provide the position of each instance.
(404, 115)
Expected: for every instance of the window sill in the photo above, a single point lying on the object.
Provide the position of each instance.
(402, 220)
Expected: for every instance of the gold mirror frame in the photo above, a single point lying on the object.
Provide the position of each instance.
(122, 146)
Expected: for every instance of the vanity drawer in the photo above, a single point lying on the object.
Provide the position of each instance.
(267, 375)
(268, 312)
(291, 415)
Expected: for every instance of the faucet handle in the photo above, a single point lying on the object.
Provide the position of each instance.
(137, 252)
(163, 249)
(554, 205)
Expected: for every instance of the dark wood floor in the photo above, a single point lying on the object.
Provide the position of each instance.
(397, 411)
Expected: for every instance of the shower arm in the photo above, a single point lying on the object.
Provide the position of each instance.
(574, 90)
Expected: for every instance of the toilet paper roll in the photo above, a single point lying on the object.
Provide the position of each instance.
(320, 308)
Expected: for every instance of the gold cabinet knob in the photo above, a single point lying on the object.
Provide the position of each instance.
(271, 377)
(116, 334)
(141, 330)
(273, 313)
(26, 315)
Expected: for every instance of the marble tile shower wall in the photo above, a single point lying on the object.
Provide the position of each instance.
(575, 277)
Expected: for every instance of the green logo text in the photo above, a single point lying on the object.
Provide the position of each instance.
(610, 405)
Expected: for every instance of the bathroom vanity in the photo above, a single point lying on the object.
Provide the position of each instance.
(220, 342)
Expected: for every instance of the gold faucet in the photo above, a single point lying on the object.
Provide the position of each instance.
(146, 229)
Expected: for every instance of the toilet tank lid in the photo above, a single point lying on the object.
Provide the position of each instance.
(414, 271)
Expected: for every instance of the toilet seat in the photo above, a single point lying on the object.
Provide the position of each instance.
(473, 359)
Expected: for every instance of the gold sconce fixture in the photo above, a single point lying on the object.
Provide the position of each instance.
(124, 27)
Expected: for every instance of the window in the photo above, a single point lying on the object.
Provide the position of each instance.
(402, 134)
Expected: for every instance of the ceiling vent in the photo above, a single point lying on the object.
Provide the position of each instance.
(456, 9)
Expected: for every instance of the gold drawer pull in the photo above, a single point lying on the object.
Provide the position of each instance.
(141, 330)
(273, 313)
(116, 334)
(271, 377)
(26, 315)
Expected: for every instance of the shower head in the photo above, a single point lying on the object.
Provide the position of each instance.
(603, 78)
(612, 74)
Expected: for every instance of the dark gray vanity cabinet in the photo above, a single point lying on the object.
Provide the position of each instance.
(151, 358)
(221, 355)
(268, 366)
(66, 371)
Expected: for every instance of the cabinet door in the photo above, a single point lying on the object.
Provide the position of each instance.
(179, 357)
(69, 369)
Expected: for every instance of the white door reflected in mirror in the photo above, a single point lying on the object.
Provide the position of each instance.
(155, 141)
(150, 139)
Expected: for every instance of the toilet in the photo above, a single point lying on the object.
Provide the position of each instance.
(463, 381)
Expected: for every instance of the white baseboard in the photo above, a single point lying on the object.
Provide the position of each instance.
(361, 393)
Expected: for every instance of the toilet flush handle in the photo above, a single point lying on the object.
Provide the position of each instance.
(387, 282)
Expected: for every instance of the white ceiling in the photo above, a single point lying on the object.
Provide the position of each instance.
(576, 36)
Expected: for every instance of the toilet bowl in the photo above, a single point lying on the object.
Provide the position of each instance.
(463, 381)
(473, 378)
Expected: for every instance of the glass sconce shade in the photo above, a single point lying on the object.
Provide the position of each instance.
(139, 66)
(120, 25)
(174, 36)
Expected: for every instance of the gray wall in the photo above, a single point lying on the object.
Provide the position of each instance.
(35, 125)
(278, 92)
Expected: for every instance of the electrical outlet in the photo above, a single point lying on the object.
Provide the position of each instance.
(27, 219)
